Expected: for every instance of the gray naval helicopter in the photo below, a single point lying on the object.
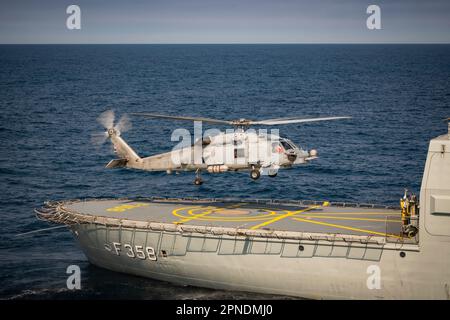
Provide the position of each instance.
(239, 149)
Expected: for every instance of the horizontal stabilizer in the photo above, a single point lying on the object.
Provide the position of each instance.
(117, 163)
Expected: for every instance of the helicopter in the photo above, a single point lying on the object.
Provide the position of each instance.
(238, 149)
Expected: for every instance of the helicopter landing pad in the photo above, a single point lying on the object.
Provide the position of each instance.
(320, 218)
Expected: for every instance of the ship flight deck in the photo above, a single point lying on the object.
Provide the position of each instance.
(311, 217)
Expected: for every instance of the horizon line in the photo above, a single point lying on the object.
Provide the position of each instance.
(237, 43)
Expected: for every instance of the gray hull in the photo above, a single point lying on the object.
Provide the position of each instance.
(323, 269)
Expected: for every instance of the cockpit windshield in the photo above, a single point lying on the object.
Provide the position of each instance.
(286, 145)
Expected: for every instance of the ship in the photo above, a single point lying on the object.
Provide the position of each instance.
(307, 249)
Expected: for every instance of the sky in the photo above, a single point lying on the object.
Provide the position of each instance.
(224, 21)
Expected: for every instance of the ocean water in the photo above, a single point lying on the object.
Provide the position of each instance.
(50, 97)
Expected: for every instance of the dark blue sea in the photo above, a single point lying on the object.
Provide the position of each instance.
(51, 95)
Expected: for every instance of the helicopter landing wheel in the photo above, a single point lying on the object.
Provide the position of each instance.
(411, 231)
(255, 174)
(273, 175)
(198, 181)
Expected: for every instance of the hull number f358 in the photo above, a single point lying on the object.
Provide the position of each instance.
(130, 251)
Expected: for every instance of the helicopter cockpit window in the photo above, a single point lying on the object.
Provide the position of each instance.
(275, 147)
(286, 145)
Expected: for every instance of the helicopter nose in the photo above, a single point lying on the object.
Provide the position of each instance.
(292, 156)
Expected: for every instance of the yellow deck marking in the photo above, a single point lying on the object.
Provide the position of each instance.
(175, 211)
(194, 216)
(346, 218)
(269, 215)
(288, 214)
(361, 213)
(242, 219)
(125, 207)
(347, 228)
(200, 215)
(234, 212)
(191, 211)
(182, 215)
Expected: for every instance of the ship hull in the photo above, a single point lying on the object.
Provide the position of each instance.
(322, 270)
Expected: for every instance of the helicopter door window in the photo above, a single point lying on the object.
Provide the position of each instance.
(239, 153)
(276, 148)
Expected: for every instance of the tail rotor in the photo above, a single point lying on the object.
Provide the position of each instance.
(106, 119)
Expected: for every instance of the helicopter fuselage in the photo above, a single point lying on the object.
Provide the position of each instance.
(240, 150)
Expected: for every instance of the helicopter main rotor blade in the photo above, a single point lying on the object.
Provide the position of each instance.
(153, 115)
(271, 122)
